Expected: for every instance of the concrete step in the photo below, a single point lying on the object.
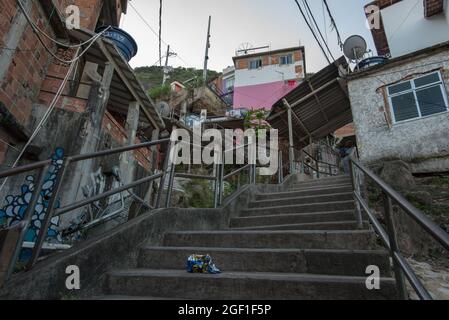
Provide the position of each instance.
(304, 193)
(330, 262)
(135, 298)
(300, 208)
(301, 200)
(353, 240)
(244, 286)
(301, 186)
(298, 218)
(325, 181)
(340, 225)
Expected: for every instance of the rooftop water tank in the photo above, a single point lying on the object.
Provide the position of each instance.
(373, 61)
(123, 40)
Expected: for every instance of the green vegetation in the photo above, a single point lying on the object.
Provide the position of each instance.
(151, 77)
(159, 92)
(199, 194)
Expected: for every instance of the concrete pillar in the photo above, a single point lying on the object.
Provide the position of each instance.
(127, 162)
(96, 108)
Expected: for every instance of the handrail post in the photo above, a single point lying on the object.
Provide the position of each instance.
(355, 188)
(220, 198)
(27, 220)
(280, 168)
(45, 224)
(164, 175)
(171, 180)
(317, 165)
(394, 247)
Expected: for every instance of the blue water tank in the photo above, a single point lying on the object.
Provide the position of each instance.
(123, 40)
(369, 62)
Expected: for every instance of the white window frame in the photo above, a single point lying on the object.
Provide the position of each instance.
(286, 56)
(413, 90)
(253, 60)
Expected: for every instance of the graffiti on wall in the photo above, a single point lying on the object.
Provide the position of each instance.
(16, 205)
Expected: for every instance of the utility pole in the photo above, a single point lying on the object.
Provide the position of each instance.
(166, 68)
(206, 58)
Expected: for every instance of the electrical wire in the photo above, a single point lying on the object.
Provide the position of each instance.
(154, 32)
(334, 24)
(311, 29)
(44, 118)
(37, 29)
(318, 28)
(92, 40)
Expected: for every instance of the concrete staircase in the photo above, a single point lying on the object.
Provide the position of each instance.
(299, 244)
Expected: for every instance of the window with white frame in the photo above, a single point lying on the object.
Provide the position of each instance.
(255, 64)
(418, 98)
(285, 60)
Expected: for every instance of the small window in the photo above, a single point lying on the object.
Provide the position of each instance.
(284, 60)
(417, 98)
(255, 64)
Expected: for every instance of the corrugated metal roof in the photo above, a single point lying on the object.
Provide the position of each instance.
(320, 106)
(124, 87)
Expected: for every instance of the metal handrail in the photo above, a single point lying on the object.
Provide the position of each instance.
(434, 230)
(169, 168)
(51, 211)
(318, 161)
(389, 238)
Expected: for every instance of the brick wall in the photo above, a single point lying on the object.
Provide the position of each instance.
(119, 135)
(379, 35)
(29, 63)
(89, 9)
(433, 7)
(243, 63)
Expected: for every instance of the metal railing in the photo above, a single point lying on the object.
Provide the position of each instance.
(332, 169)
(389, 237)
(168, 172)
(51, 210)
(219, 177)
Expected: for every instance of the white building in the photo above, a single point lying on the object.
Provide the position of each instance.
(400, 108)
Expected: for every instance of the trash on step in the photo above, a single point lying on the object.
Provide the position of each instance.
(201, 264)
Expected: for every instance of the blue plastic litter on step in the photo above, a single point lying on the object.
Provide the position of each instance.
(201, 264)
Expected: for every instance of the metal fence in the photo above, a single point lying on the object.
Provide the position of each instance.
(169, 171)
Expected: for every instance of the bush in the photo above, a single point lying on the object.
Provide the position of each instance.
(159, 92)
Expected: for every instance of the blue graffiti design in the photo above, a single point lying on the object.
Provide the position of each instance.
(14, 210)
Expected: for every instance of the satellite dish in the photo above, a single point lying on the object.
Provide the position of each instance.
(164, 109)
(355, 48)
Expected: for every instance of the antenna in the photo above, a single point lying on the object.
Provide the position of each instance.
(244, 48)
(355, 48)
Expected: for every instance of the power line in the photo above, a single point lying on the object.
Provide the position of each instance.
(318, 28)
(311, 29)
(154, 32)
(334, 24)
(37, 32)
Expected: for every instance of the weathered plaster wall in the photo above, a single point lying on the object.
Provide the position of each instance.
(423, 142)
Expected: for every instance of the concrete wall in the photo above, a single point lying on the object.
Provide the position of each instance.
(116, 249)
(422, 142)
(408, 30)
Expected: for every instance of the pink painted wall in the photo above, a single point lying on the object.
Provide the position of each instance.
(261, 96)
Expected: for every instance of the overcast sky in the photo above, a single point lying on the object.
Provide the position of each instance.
(277, 23)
